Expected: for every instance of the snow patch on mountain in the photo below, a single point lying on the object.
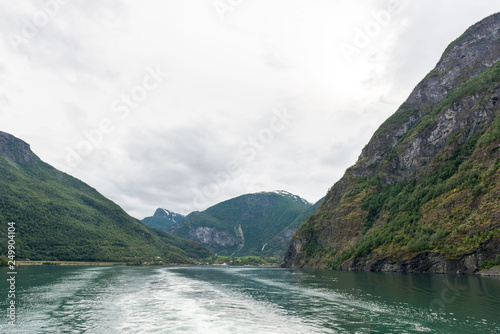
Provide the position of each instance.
(285, 193)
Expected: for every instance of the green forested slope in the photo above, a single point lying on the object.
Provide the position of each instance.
(60, 217)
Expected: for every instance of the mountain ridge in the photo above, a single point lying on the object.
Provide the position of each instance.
(163, 219)
(423, 195)
(15, 150)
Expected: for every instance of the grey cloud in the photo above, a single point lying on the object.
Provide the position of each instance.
(196, 148)
(166, 165)
(60, 44)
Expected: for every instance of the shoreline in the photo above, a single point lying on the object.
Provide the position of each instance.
(89, 263)
(68, 263)
(491, 272)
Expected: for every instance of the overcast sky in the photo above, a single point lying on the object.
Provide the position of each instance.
(183, 104)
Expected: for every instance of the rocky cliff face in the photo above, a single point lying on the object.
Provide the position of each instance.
(425, 262)
(424, 194)
(16, 151)
(477, 50)
(214, 237)
(472, 53)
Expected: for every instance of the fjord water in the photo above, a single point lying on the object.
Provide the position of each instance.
(84, 299)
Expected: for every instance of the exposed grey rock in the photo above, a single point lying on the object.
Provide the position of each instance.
(294, 257)
(495, 271)
(469, 55)
(426, 262)
(210, 236)
(285, 236)
(16, 151)
(475, 51)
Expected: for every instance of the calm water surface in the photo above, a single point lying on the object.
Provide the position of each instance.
(81, 299)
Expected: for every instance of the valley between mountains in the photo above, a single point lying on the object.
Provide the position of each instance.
(424, 195)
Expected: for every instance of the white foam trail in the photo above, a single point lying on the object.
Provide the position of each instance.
(214, 300)
(176, 304)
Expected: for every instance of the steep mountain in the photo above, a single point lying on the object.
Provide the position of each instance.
(59, 217)
(245, 225)
(424, 195)
(163, 219)
(278, 245)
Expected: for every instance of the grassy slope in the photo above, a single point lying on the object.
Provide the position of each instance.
(60, 217)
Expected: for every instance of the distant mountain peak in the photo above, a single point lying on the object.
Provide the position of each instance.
(470, 54)
(16, 151)
(160, 212)
(285, 193)
(163, 219)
